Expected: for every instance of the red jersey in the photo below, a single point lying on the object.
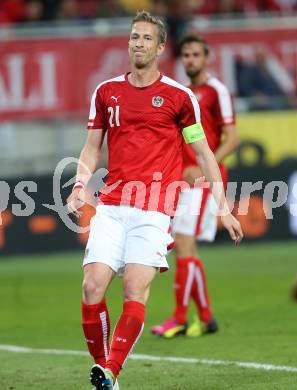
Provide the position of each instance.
(216, 111)
(144, 136)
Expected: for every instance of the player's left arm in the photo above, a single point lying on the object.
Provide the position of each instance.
(193, 134)
(210, 170)
(230, 140)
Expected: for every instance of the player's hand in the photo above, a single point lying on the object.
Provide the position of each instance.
(191, 174)
(75, 201)
(233, 226)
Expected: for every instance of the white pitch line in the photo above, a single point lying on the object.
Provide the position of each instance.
(17, 349)
(172, 359)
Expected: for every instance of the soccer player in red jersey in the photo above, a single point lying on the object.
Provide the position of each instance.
(145, 116)
(218, 121)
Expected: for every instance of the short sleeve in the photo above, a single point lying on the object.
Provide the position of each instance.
(96, 117)
(226, 108)
(189, 111)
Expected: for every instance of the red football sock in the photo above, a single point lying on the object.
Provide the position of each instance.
(126, 334)
(199, 292)
(184, 277)
(96, 326)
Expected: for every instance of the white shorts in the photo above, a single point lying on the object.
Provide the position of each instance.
(120, 235)
(196, 214)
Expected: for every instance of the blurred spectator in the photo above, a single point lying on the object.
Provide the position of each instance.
(256, 7)
(34, 11)
(262, 82)
(88, 9)
(204, 7)
(159, 8)
(287, 6)
(177, 20)
(50, 8)
(243, 7)
(12, 11)
(110, 9)
(229, 7)
(177, 12)
(177, 17)
(68, 10)
(132, 6)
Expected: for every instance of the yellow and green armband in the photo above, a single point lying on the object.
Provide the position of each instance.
(193, 133)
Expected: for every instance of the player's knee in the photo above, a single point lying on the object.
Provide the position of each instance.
(183, 246)
(179, 241)
(134, 292)
(93, 290)
(180, 248)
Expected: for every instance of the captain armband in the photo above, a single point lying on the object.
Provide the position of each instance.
(193, 133)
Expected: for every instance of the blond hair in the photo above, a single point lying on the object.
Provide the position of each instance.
(145, 16)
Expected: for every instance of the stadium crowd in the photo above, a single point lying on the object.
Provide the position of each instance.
(258, 81)
(15, 11)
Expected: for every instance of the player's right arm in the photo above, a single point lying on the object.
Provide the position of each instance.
(91, 152)
(88, 163)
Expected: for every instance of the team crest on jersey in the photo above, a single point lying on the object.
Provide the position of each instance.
(157, 101)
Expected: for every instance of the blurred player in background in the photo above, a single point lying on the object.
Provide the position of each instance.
(218, 121)
(144, 115)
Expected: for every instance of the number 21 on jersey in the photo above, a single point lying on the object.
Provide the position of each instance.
(114, 116)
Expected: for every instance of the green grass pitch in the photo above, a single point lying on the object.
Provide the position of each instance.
(249, 287)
